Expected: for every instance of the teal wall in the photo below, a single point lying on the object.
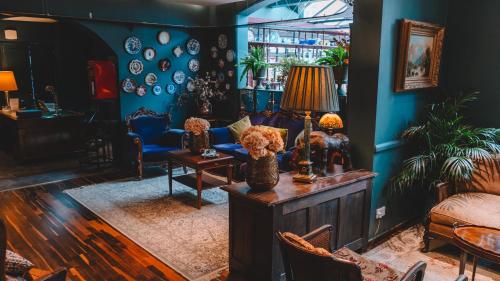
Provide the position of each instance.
(472, 57)
(115, 34)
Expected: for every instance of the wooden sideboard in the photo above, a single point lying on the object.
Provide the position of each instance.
(254, 217)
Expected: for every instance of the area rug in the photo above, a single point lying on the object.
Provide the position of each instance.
(193, 242)
(403, 250)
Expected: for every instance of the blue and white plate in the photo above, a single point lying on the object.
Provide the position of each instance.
(133, 45)
(129, 85)
(179, 77)
(163, 37)
(135, 67)
(151, 79)
(157, 90)
(230, 55)
(193, 46)
(149, 54)
(178, 51)
(194, 65)
(171, 89)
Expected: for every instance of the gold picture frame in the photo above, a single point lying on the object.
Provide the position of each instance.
(419, 55)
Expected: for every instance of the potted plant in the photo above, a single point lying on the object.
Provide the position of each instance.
(262, 143)
(446, 147)
(198, 134)
(256, 62)
(286, 64)
(338, 59)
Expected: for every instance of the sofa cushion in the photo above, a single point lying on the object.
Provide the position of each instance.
(154, 152)
(305, 245)
(221, 135)
(151, 129)
(16, 265)
(238, 127)
(468, 208)
(486, 178)
(228, 147)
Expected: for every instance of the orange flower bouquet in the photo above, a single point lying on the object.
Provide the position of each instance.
(261, 141)
(196, 125)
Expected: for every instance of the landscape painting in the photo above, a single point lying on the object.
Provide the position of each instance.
(419, 55)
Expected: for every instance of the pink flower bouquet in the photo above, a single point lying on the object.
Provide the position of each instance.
(196, 125)
(261, 141)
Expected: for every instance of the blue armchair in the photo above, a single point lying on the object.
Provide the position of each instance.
(150, 138)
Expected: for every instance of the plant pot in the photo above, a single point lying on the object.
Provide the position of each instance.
(262, 174)
(197, 143)
(260, 79)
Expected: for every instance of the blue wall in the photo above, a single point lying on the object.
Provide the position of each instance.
(394, 111)
(115, 34)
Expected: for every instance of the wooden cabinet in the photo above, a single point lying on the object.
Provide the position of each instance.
(342, 201)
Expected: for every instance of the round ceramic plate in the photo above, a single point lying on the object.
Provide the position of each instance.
(164, 64)
(193, 46)
(230, 55)
(214, 52)
(194, 65)
(230, 73)
(221, 63)
(222, 41)
(133, 45)
(151, 79)
(149, 54)
(141, 90)
(171, 89)
(135, 67)
(220, 77)
(213, 73)
(178, 51)
(157, 90)
(228, 86)
(163, 37)
(190, 86)
(129, 85)
(179, 77)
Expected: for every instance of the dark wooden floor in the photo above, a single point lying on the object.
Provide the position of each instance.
(52, 230)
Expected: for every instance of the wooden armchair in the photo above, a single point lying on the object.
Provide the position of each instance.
(314, 264)
(58, 275)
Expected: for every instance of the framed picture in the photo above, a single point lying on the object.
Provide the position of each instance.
(419, 55)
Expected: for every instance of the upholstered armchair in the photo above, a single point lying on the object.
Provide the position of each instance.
(150, 138)
(309, 258)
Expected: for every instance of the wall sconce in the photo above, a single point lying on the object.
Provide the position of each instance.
(10, 33)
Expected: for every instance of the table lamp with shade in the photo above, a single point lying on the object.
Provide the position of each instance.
(7, 84)
(309, 88)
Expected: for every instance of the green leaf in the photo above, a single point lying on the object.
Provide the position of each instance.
(457, 169)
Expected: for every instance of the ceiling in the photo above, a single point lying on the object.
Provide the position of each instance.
(205, 2)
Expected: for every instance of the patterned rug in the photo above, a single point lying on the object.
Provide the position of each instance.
(403, 250)
(193, 242)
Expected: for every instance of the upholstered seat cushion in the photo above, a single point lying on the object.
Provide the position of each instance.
(228, 147)
(151, 129)
(154, 152)
(468, 208)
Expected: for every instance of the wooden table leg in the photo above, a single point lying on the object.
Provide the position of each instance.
(199, 183)
(463, 261)
(474, 265)
(229, 174)
(170, 174)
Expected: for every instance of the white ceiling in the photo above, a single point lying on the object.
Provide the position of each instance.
(205, 2)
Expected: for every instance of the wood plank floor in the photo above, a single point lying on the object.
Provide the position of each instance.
(52, 230)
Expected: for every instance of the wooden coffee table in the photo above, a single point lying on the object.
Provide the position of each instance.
(186, 158)
(478, 241)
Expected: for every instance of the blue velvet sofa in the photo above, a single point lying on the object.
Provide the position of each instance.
(222, 139)
(149, 138)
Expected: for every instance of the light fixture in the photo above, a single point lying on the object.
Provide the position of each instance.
(329, 122)
(7, 84)
(30, 19)
(10, 33)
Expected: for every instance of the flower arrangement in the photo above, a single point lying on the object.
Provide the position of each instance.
(261, 141)
(196, 125)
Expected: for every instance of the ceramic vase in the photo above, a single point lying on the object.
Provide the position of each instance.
(197, 143)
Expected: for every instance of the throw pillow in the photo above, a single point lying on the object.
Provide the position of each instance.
(283, 133)
(16, 265)
(300, 242)
(238, 127)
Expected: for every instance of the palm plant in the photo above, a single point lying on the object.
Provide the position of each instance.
(447, 146)
(255, 61)
(335, 57)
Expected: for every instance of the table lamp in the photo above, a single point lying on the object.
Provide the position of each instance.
(7, 83)
(309, 88)
(329, 122)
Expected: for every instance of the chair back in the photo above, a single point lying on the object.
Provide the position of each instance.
(303, 265)
(485, 178)
(150, 125)
(3, 249)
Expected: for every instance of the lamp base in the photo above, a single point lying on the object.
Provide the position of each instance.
(305, 173)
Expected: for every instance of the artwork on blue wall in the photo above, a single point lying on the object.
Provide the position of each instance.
(151, 79)
(163, 37)
(164, 64)
(179, 77)
(194, 65)
(190, 85)
(193, 46)
(135, 67)
(230, 55)
(222, 41)
(178, 51)
(129, 85)
(157, 90)
(141, 91)
(133, 45)
(214, 52)
(149, 54)
(171, 89)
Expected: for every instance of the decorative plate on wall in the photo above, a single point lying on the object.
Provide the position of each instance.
(213, 73)
(194, 65)
(190, 86)
(157, 90)
(221, 63)
(193, 46)
(164, 64)
(214, 52)
(222, 41)
(230, 73)
(151, 79)
(228, 86)
(141, 91)
(133, 45)
(179, 77)
(129, 85)
(135, 67)
(230, 55)
(171, 89)
(178, 51)
(163, 37)
(149, 54)
(220, 77)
